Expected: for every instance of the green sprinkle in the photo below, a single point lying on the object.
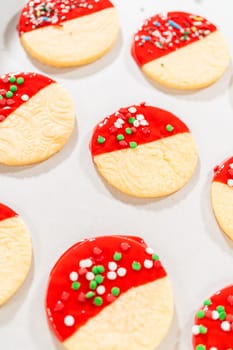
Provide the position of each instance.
(90, 295)
(136, 266)
(9, 94)
(202, 329)
(98, 301)
(95, 270)
(12, 79)
(93, 284)
(184, 37)
(100, 268)
(1, 97)
(186, 32)
(120, 137)
(169, 127)
(128, 131)
(99, 279)
(222, 315)
(200, 347)
(131, 120)
(200, 314)
(155, 257)
(20, 80)
(101, 139)
(13, 88)
(207, 302)
(75, 285)
(220, 308)
(115, 291)
(133, 144)
(117, 256)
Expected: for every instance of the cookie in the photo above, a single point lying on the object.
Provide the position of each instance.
(109, 293)
(213, 326)
(222, 196)
(144, 151)
(36, 118)
(15, 253)
(181, 51)
(66, 33)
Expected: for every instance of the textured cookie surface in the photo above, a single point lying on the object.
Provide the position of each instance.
(36, 118)
(68, 33)
(15, 253)
(222, 196)
(180, 50)
(213, 322)
(144, 151)
(110, 293)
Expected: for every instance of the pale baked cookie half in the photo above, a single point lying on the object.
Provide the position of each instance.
(15, 253)
(212, 328)
(222, 196)
(144, 151)
(67, 33)
(36, 118)
(181, 50)
(109, 293)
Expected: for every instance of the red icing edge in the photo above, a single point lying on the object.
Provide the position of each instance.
(6, 212)
(62, 300)
(216, 337)
(166, 33)
(224, 172)
(32, 84)
(42, 13)
(150, 124)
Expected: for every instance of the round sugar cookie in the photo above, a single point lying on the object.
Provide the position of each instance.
(213, 325)
(36, 118)
(180, 50)
(109, 293)
(66, 33)
(222, 196)
(15, 253)
(144, 151)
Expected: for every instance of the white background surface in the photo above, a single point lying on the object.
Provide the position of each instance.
(64, 200)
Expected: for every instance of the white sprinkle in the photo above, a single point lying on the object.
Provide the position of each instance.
(136, 123)
(69, 321)
(120, 121)
(230, 182)
(25, 98)
(144, 122)
(226, 326)
(215, 315)
(213, 348)
(132, 110)
(121, 272)
(85, 263)
(231, 165)
(90, 276)
(111, 275)
(149, 251)
(73, 276)
(112, 266)
(196, 330)
(100, 290)
(140, 117)
(148, 264)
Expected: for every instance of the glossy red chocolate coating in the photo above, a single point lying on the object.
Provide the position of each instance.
(62, 300)
(216, 337)
(157, 37)
(42, 13)
(6, 212)
(32, 84)
(224, 171)
(157, 121)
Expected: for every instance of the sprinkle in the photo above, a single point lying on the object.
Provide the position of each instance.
(132, 109)
(215, 315)
(203, 329)
(24, 97)
(136, 123)
(117, 256)
(99, 279)
(226, 326)
(65, 296)
(123, 143)
(93, 284)
(73, 276)
(200, 347)
(112, 266)
(12, 79)
(20, 80)
(207, 302)
(149, 250)
(195, 330)
(69, 321)
(157, 24)
(155, 257)
(120, 137)
(222, 315)
(230, 300)
(231, 165)
(125, 246)
(133, 144)
(146, 37)
(9, 94)
(98, 301)
(90, 295)
(174, 24)
(136, 266)
(13, 88)
(148, 264)
(121, 272)
(144, 123)
(220, 308)
(200, 314)
(214, 348)
(85, 263)
(97, 251)
(128, 131)
(131, 120)
(82, 297)
(115, 291)
(111, 275)
(59, 306)
(100, 290)
(230, 182)
(75, 285)
(101, 139)
(169, 127)
(90, 276)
